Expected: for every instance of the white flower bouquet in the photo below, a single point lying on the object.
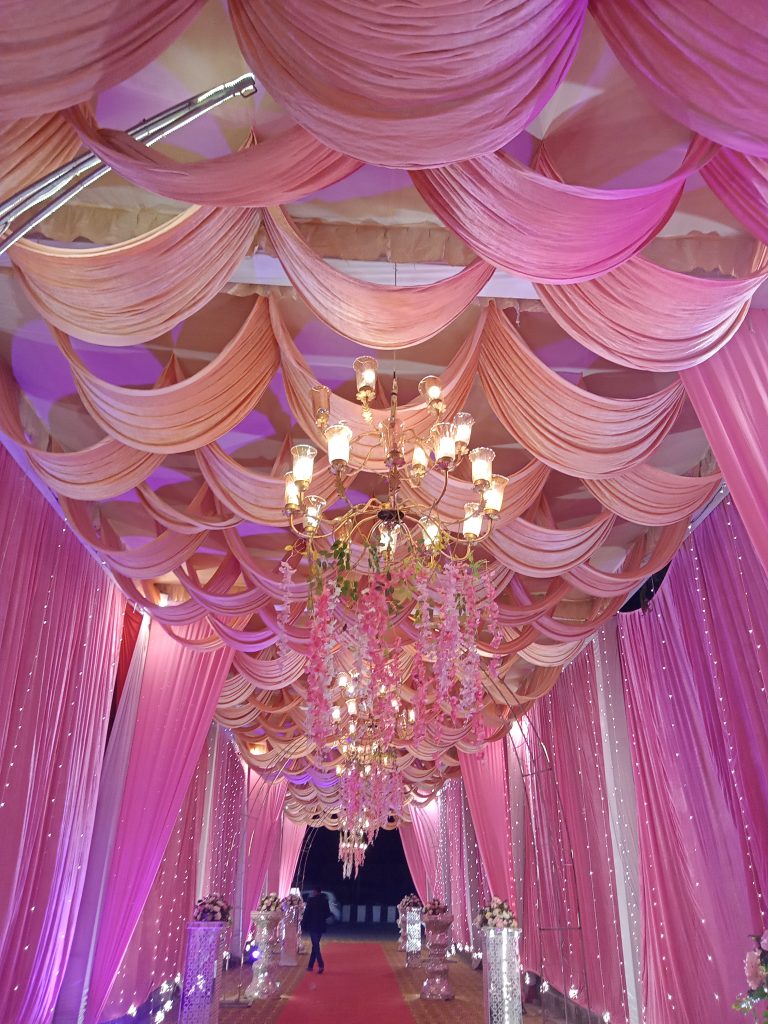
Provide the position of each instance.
(411, 901)
(434, 908)
(496, 915)
(212, 908)
(270, 903)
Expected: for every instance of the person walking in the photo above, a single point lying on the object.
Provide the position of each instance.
(314, 922)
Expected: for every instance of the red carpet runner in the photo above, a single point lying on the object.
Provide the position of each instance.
(358, 987)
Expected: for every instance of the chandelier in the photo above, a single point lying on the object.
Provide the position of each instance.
(402, 611)
(352, 847)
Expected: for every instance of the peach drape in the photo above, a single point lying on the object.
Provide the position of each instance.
(32, 147)
(410, 85)
(280, 169)
(54, 55)
(192, 412)
(579, 433)
(534, 225)
(134, 291)
(382, 316)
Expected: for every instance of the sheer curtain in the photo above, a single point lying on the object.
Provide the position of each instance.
(61, 620)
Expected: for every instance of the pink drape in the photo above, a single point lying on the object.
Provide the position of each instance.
(179, 692)
(227, 824)
(281, 169)
(410, 85)
(155, 953)
(742, 184)
(730, 395)
(420, 843)
(700, 737)
(263, 824)
(538, 227)
(382, 316)
(705, 62)
(292, 836)
(61, 622)
(486, 781)
(52, 56)
(571, 933)
(453, 794)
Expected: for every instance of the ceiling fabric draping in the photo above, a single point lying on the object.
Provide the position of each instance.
(382, 316)
(741, 181)
(411, 85)
(53, 56)
(534, 225)
(705, 62)
(143, 287)
(280, 169)
(33, 146)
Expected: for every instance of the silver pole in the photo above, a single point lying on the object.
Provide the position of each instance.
(149, 131)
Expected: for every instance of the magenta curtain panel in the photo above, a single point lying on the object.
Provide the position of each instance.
(420, 843)
(60, 623)
(179, 691)
(694, 669)
(457, 860)
(730, 395)
(292, 836)
(264, 813)
(486, 782)
(414, 859)
(227, 819)
(571, 930)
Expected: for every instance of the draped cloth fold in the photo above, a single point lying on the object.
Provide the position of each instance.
(411, 85)
(281, 169)
(135, 291)
(382, 316)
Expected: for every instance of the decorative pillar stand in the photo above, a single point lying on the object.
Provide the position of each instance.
(502, 1001)
(401, 920)
(202, 970)
(412, 936)
(437, 984)
(289, 953)
(265, 983)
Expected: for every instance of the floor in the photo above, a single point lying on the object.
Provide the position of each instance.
(364, 983)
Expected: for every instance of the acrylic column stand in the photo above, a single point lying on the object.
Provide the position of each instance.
(200, 985)
(289, 954)
(401, 921)
(502, 1001)
(265, 983)
(412, 936)
(437, 984)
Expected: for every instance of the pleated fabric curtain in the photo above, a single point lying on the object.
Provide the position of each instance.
(179, 690)
(264, 810)
(699, 737)
(420, 844)
(61, 620)
(291, 838)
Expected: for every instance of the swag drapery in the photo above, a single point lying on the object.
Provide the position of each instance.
(61, 621)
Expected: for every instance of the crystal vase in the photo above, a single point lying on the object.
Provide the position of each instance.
(200, 987)
(412, 936)
(437, 984)
(289, 952)
(265, 983)
(502, 1001)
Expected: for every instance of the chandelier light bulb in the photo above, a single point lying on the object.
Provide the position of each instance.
(365, 368)
(292, 497)
(463, 421)
(573, 992)
(352, 707)
(482, 460)
(303, 464)
(336, 714)
(419, 461)
(388, 535)
(411, 714)
(338, 437)
(343, 680)
(352, 728)
(313, 510)
(431, 390)
(473, 521)
(444, 442)
(430, 531)
(493, 496)
(321, 404)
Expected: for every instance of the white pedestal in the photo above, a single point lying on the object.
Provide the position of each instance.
(202, 970)
(289, 953)
(437, 984)
(412, 936)
(265, 983)
(502, 1002)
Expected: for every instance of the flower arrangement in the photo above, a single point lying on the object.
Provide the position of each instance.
(496, 915)
(270, 903)
(756, 971)
(409, 902)
(213, 908)
(434, 908)
(292, 900)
